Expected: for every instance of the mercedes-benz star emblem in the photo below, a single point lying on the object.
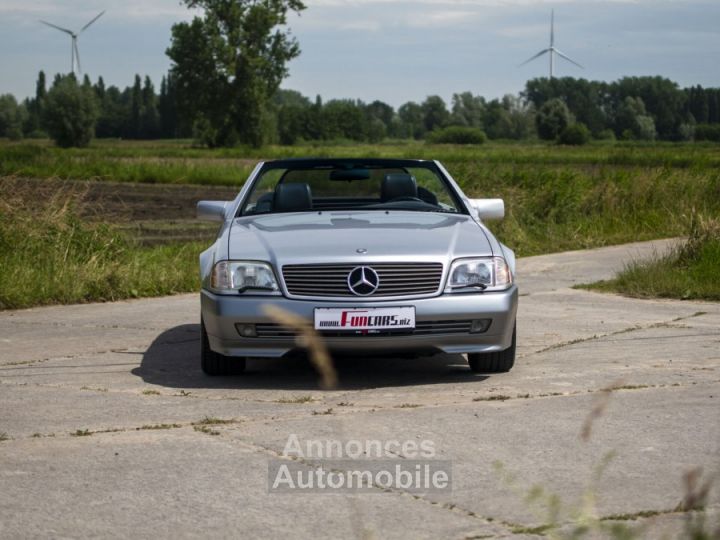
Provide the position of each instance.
(363, 281)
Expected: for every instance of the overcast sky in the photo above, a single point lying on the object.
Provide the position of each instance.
(391, 50)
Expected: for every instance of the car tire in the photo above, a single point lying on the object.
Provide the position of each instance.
(215, 364)
(496, 362)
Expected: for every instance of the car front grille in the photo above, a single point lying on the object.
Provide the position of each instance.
(331, 280)
(422, 328)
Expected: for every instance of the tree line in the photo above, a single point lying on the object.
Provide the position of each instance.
(639, 108)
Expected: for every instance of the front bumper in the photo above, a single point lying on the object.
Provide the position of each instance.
(221, 313)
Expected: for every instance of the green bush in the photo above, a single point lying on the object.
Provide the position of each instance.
(70, 113)
(606, 135)
(575, 135)
(707, 132)
(457, 135)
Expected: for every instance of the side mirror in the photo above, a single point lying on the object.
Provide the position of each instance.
(489, 208)
(211, 210)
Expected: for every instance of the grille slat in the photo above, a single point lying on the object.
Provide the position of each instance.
(422, 328)
(330, 280)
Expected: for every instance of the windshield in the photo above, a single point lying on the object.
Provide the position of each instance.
(348, 186)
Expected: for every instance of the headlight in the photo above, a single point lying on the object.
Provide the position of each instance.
(489, 274)
(242, 276)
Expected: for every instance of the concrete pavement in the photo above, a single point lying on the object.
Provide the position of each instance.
(102, 407)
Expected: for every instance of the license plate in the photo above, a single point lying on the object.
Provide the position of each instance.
(391, 318)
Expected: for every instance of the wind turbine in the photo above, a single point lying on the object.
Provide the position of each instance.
(552, 50)
(74, 52)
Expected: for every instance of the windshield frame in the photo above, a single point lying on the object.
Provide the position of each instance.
(325, 163)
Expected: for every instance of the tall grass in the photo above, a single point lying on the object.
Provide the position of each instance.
(690, 271)
(47, 256)
(178, 162)
(559, 208)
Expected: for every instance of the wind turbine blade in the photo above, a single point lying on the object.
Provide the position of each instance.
(77, 56)
(538, 55)
(568, 59)
(58, 27)
(88, 24)
(552, 28)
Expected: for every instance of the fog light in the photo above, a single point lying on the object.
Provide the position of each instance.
(479, 326)
(246, 330)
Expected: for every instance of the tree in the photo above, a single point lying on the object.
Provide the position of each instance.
(113, 115)
(435, 113)
(167, 108)
(633, 122)
(12, 117)
(662, 98)
(343, 118)
(149, 117)
(70, 112)
(585, 99)
(34, 107)
(381, 111)
(229, 63)
(134, 127)
(467, 110)
(411, 121)
(552, 118)
(292, 120)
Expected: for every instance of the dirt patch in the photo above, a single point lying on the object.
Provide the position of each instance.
(126, 202)
(154, 213)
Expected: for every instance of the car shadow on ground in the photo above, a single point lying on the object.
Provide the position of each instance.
(173, 360)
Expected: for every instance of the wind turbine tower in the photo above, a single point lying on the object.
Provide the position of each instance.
(552, 50)
(74, 51)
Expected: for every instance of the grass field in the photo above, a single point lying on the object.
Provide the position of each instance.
(557, 198)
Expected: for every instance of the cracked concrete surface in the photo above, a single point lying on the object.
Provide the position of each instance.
(100, 404)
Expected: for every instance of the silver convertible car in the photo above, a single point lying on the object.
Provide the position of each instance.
(382, 256)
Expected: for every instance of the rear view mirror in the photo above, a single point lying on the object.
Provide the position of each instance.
(350, 174)
(211, 210)
(489, 208)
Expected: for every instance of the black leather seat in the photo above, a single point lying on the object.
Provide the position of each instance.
(398, 185)
(292, 198)
(264, 203)
(427, 196)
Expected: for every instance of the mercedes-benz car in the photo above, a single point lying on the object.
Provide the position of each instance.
(381, 256)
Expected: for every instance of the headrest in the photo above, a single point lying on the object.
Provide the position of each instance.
(398, 185)
(292, 198)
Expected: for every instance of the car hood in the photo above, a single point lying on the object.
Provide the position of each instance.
(335, 237)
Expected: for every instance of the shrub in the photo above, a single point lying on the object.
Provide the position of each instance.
(70, 113)
(707, 132)
(575, 135)
(457, 135)
(606, 135)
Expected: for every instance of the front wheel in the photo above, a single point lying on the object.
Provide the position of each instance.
(496, 362)
(213, 363)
